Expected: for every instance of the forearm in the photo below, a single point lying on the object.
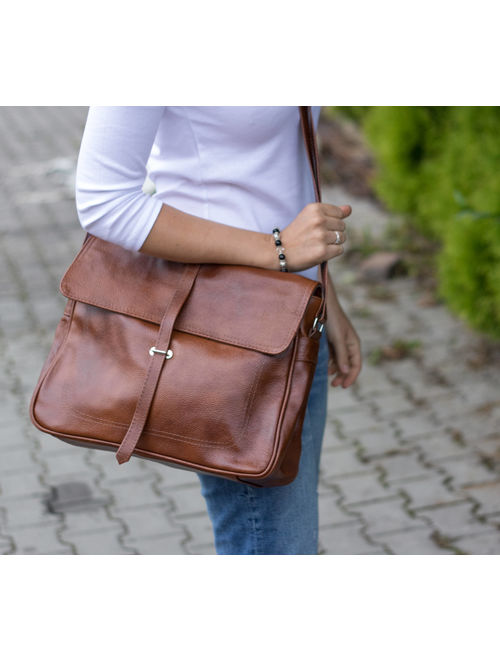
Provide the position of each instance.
(179, 236)
(332, 299)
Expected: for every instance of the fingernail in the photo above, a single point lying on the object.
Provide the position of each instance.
(345, 368)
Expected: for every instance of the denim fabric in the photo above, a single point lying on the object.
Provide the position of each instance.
(282, 520)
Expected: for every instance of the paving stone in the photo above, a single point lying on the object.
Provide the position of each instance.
(386, 517)
(341, 399)
(466, 471)
(188, 502)
(26, 511)
(488, 448)
(474, 428)
(331, 513)
(416, 425)
(341, 462)
(19, 484)
(199, 528)
(173, 477)
(360, 419)
(412, 377)
(76, 522)
(428, 491)
(100, 541)
(414, 542)
(390, 404)
(345, 540)
(438, 446)
(135, 493)
(480, 544)
(167, 544)
(72, 496)
(16, 460)
(332, 439)
(400, 467)
(372, 379)
(151, 520)
(7, 546)
(107, 466)
(200, 549)
(488, 496)
(68, 464)
(447, 408)
(377, 442)
(41, 539)
(362, 488)
(455, 520)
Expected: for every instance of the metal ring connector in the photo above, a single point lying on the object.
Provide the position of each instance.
(320, 326)
(168, 354)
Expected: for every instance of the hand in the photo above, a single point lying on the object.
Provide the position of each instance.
(310, 238)
(344, 345)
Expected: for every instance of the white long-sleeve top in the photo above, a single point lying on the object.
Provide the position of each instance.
(244, 166)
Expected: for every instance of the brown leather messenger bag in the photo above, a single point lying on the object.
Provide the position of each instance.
(204, 367)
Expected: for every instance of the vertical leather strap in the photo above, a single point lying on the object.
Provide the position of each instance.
(157, 361)
(310, 142)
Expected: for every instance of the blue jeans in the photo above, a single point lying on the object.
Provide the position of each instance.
(282, 520)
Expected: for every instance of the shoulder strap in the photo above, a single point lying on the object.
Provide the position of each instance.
(310, 142)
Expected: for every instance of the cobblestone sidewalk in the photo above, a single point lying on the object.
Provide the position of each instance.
(412, 452)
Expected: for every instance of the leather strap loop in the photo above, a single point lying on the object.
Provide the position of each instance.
(157, 361)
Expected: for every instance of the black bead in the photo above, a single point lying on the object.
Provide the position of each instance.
(276, 229)
(277, 242)
(281, 256)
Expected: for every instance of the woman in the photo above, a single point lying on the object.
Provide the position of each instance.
(224, 178)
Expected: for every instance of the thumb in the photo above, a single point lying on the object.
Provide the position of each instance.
(346, 210)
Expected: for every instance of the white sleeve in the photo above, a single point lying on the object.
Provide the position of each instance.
(111, 171)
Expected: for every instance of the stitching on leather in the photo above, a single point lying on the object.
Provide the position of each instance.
(189, 439)
(149, 431)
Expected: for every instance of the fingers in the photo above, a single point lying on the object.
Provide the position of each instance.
(345, 362)
(336, 237)
(339, 363)
(353, 371)
(336, 211)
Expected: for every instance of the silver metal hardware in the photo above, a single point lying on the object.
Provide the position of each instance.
(320, 326)
(168, 354)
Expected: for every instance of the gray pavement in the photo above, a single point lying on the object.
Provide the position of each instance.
(411, 452)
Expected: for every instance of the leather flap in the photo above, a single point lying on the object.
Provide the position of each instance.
(250, 307)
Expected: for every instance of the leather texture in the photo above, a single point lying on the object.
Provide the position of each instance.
(230, 400)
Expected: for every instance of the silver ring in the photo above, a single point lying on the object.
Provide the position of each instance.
(337, 240)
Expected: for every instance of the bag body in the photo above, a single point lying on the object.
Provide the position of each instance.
(204, 367)
(231, 399)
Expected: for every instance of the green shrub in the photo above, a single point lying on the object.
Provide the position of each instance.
(439, 166)
(469, 272)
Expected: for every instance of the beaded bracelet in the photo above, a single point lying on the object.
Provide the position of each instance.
(280, 250)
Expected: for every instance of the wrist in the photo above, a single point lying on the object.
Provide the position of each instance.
(265, 253)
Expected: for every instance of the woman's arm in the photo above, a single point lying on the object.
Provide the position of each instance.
(111, 170)
(344, 344)
(179, 236)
